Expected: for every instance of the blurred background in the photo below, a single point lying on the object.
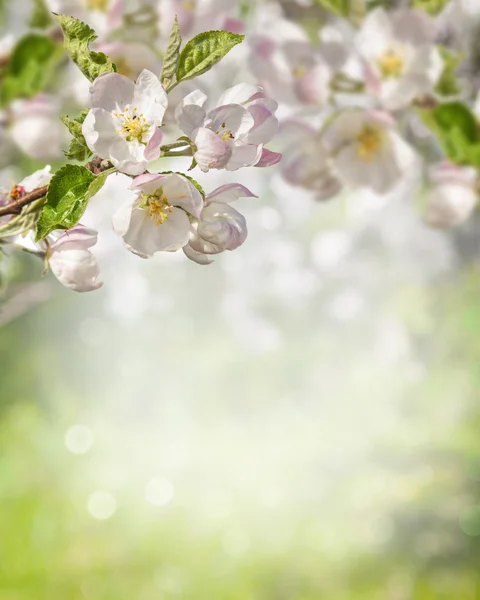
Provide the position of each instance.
(297, 421)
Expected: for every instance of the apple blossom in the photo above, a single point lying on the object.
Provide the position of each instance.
(453, 196)
(123, 124)
(158, 218)
(220, 227)
(401, 60)
(306, 162)
(288, 66)
(71, 261)
(367, 151)
(233, 134)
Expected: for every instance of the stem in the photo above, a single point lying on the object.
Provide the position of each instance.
(169, 147)
(187, 152)
(96, 166)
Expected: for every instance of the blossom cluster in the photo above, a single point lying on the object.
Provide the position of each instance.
(339, 96)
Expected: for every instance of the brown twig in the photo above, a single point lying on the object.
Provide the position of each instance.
(96, 166)
(15, 207)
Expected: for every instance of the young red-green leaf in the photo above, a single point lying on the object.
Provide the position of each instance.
(171, 56)
(204, 51)
(77, 38)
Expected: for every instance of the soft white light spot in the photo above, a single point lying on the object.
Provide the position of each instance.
(101, 505)
(79, 439)
(159, 491)
(330, 248)
(269, 218)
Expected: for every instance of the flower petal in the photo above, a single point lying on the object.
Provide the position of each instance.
(99, 131)
(75, 269)
(112, 92)
(198, 257)
(150, 98)
(244, 156)
(152, 151)
(229, 193)
(212, 151)
(239, 94)
(128, 157)
(269, 158)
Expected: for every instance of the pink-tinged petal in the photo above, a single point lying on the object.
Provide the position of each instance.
(233, 25)
(77, 238)
(314, 88)
(265, 125)
(150, 98)
(77, 270)
(115, 14)
(239, 94)
(152, 151)
(229, 193)
(212, 151)
(148, 183)
(37, 179)
(198, 257)
(182, 193)
(244, 156)
(221, 228)
(269, 158)
(112, 92)
(128, 157)
(99, 131)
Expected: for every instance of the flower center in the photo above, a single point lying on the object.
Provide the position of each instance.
(299, 72)
(391, 65)
(133, 125)
(100, 5)
(158, 207)
(188, 5)
(368, 142)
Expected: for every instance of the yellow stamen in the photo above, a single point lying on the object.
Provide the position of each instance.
(299, 72)
(369, 142)
(158, 207)
(100, 5)
(391, 65)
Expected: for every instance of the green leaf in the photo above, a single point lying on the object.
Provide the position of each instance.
(456, 128)
(30, 68)
(41, 17)
(433, 7)
(338, 7)
(23, 222)
(78, 149)
(204, 51)
(171, 56)
(77, 38)
(67, 199)
(447, 84)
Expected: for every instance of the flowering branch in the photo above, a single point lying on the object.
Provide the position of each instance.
(15, 207)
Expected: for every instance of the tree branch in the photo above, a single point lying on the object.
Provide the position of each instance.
(15, 207)
(96, 166)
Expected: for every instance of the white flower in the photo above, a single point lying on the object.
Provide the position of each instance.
(36, 128)
(72, 263)
(37, 179)
(402, 62)
(306, 162)
(288, 66)
(453, 196)
(366, 150)
(220, 226)
(123, 124)
(232, 135)
(158, 219)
